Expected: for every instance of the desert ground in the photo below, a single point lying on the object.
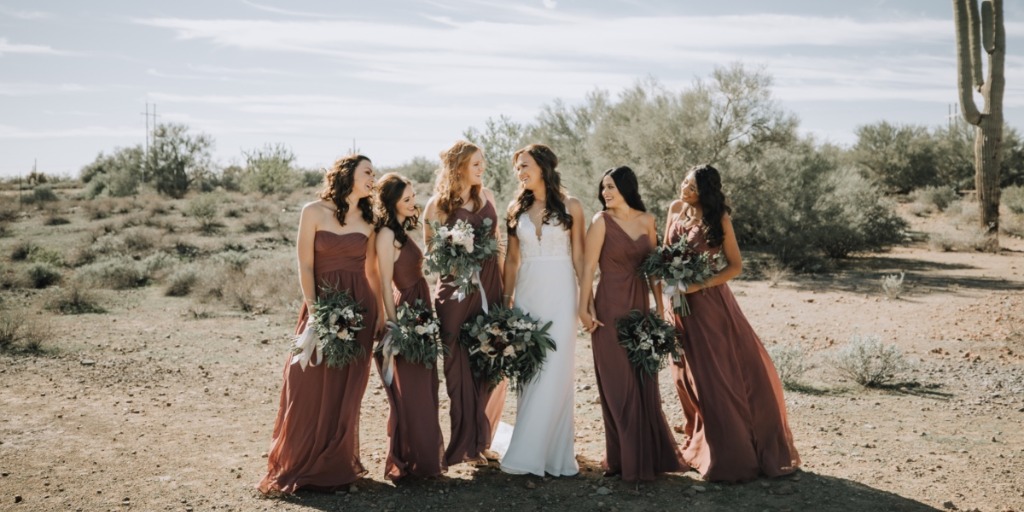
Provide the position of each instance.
(167, 402)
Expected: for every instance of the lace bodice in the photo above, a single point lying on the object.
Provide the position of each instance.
(554, 242)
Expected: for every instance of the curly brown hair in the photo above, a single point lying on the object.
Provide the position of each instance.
(450, 180)
(554, 199)
(338, 181)
(390, 189)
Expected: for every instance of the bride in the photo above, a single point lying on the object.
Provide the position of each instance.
(545, 255)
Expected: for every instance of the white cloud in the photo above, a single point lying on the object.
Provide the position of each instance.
(550, 4)
(27, 15)
(31, 49)
(14, 132)
(41, 89)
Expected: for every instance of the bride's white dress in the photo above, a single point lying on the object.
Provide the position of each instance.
(543, 437)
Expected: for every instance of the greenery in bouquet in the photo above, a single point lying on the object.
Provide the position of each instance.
(506, 343)
(678, 266)
(459, 251)
(416, 334)
(648, 340)
(337, 318)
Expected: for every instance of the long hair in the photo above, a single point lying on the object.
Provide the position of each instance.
(625, 181)
(554, 199)
(338, 182)
(390, 189)
(450, 180)
(712, 202)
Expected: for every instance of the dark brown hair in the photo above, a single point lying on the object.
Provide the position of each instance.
(390, 189)
(554, 198)
(338, 181)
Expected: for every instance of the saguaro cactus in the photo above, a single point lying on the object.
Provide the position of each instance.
(976, 32)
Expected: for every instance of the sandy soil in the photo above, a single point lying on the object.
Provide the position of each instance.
(147, 407)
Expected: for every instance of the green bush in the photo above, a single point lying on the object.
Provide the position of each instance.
(182, 282)
(43, 275)
(869, 362)
(268, 170)
(205, 208)
(939, 197)
(43, 194)
(74, 301)
(1013, 198)
(118, 273)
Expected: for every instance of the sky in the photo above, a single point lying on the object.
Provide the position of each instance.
(400, 79)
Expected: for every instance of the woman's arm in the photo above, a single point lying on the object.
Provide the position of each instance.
(430, 214)
(591, 255)
(497, 232)
(576, 235)
(373, 275)
(655, 284)
(731, 249)
(304, 249)
(511, 270)
(673, 211)
(386, 266)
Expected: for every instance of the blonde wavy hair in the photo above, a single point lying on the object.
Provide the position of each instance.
(451, 179)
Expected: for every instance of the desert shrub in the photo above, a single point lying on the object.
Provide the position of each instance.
(9, 211)
(940, 197)
(181, 282)
(1012, 225)
(43, 275)
(138, 240)
(73, 300)
(1013, 198)
(961, 240)
(27, 250)
(185, 250)
(18, 332)
(791, 362)
(869, 362)
(42, 194)
(892, 285)
(268, 170)
(204, 208)
(117, 272)
(310, 177)
(236, 261)
(56, 220)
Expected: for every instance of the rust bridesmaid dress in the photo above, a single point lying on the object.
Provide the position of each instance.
(638, 441)
(730, 385)
(475, 409)
(315, 444)
(417, 447)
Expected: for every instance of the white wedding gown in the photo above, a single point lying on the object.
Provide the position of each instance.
(543, 437)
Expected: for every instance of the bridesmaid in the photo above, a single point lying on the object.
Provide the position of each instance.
(316, 435)
(417, 447)
(475, 408)
(729, 389)
(638, 441)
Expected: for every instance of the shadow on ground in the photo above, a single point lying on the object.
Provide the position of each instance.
(488, 489)
(863, 275)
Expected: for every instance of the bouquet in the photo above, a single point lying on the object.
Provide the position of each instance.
(330, 332)
(678, 266)
(415, 335)
(459, 251)
(647, 340)
(506, 342)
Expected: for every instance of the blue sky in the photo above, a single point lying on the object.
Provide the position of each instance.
(406, 78)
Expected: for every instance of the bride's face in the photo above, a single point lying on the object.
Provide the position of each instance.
(528, 172)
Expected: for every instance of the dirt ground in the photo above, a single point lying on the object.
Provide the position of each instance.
(150, 407)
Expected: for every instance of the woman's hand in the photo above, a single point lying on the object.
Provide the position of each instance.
(588, 317)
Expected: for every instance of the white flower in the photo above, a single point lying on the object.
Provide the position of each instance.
(333, 319)
(344, 334)
(421, 330)
(510, 351)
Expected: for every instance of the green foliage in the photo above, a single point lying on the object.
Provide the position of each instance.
(939, 197)
(899, 158)
(205, 209)
(42, 194)
(182, 282)
(268, 170)
(1013, 198)
(421, 169)
(177, 158)
(310, 177)
(499, 139)
(18, 333)
(117, 175)
(74, 301)
(43, 275)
